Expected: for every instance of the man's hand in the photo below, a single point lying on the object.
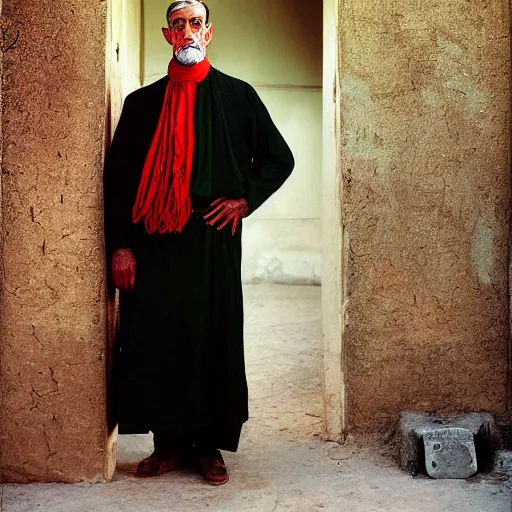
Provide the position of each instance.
(123, 269)
(223, 211)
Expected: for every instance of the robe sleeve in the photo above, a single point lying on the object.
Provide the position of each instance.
(272, 160)
(117, 184)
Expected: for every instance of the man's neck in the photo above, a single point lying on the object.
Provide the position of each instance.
(195, 73)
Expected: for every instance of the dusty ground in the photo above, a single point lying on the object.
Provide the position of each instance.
(282, 465)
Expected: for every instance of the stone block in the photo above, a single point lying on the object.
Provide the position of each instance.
(503, 462)
(413, 426)
(450, 453)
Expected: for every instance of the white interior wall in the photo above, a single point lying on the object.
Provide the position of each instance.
(131, 49)
(276, 45)
(124, 52)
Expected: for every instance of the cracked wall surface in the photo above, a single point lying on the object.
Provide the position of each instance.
(52, 411)
(426, 197)
(425, 158)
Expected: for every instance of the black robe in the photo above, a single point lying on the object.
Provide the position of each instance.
(181, 358)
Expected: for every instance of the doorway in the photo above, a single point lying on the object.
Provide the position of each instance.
(286, 257)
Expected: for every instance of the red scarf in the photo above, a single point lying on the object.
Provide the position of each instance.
(163, 197)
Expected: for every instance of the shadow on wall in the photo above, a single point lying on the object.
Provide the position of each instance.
(279, 41)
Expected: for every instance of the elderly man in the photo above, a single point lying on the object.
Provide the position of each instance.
(193, 154)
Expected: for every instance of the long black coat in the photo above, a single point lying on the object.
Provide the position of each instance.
(181, 331)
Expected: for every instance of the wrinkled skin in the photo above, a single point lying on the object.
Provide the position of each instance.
(187, 29)
(224, 211)
(123, 269)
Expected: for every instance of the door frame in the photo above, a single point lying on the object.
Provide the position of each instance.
(333, 254)
(333, 259)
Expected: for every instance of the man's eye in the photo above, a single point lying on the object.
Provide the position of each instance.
(197, 23)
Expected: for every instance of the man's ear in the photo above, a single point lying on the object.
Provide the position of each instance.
(209, 34)
(167, 34)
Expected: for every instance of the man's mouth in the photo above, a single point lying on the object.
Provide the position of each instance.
(190, 46)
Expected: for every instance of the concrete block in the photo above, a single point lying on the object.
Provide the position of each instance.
(413, 426)
(503, 462)
(450, 453)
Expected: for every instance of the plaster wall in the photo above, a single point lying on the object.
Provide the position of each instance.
(124, 53)
(132, 45)
(52, 379)
(276, 45)
(426, 201)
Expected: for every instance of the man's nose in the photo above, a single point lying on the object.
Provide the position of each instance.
(188, 31)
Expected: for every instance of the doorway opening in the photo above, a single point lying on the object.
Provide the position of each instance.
(287, 51)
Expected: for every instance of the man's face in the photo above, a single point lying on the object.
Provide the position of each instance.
(188, 34)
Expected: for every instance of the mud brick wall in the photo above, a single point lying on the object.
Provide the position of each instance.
(426, 198)
(52, 408)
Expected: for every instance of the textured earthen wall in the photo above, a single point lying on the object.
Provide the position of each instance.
(425, 148)
(52, 412)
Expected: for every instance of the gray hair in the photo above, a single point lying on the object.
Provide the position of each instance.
(180, 4)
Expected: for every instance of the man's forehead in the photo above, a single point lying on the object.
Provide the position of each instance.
(196, 10)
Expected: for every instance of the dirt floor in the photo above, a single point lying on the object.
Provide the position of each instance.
(282, 465)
